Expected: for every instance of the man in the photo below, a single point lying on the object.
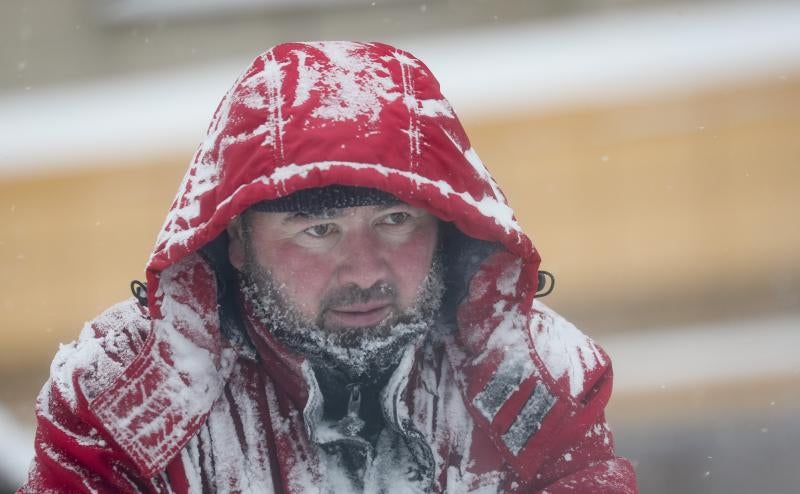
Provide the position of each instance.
(340, 300)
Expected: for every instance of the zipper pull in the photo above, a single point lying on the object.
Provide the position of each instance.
(352, 423)
(354, 402)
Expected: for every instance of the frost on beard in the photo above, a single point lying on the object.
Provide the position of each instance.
(362, 354)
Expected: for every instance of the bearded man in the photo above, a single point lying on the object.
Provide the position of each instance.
(340, 300)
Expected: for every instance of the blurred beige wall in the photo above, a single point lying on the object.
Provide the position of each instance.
(665, 210)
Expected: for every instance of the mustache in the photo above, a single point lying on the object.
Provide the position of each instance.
(381, 291)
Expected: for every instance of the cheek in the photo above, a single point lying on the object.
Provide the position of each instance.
(411, 263)
(303, 277)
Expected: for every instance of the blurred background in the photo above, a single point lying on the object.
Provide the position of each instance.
(651, 148)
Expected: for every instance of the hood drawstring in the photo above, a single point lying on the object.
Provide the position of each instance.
(542, 283)
(352, 423)
(139, 290)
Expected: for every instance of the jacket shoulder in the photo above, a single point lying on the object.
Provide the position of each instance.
(103, 350)
(531, 380)
(568, 355)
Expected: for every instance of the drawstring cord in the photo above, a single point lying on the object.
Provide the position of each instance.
(139, 290)
(544, 289)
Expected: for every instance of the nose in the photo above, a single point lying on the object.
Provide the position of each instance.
(363, 259)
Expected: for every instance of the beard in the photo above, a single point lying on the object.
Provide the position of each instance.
(361, 354)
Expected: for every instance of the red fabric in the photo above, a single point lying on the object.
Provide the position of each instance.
(147, 417)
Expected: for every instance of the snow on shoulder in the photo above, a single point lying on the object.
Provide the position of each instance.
(101, 352)
(563, 348)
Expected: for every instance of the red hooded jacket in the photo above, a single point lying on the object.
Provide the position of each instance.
(159, 398)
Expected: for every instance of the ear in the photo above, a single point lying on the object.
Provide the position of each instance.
(236, 243)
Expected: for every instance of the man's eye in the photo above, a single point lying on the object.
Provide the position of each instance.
(319, 231)
(396, 218)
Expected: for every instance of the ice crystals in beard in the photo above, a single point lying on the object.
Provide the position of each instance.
(363, 354)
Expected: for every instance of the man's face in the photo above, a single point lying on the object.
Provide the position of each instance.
(343, 269)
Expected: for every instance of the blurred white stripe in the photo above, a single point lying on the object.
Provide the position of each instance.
(144, 115)
(16, 450)
(702, 354)
(615, 56)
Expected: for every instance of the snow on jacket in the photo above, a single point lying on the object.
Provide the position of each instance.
(161, 398)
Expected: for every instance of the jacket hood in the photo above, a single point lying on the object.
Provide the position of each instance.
(314, 114)
(302, 115)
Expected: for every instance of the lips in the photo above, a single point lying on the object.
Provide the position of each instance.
(355, 315)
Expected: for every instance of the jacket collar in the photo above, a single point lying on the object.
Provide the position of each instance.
(163, 397)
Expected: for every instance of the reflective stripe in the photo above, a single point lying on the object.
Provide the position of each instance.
(530, 418)
(505, 381)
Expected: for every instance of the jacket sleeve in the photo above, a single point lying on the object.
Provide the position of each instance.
(73, 454)
(586, 465)
(537, 387)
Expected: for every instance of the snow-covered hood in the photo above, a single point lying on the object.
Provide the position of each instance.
(312, 114)
(302, 115)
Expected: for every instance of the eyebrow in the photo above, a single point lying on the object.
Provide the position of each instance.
(330, 213)
(312, 215)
